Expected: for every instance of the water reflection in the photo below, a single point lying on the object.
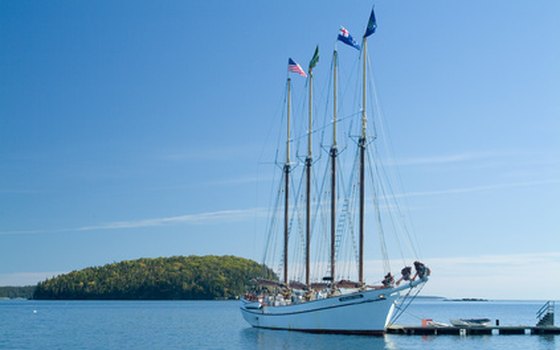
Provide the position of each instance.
(264, 339)
(548, 341)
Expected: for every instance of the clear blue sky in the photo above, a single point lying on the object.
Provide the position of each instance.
(136, 129)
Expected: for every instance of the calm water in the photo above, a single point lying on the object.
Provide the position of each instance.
(218, 325)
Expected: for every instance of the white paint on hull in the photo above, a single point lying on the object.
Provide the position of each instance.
(363, 312)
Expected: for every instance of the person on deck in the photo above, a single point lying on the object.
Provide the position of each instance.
(388, 280)
(421, 270)
(406, 272)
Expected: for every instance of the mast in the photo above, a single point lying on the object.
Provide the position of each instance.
(362, 147)
(308, 162)
(333, 154)
(287, 185)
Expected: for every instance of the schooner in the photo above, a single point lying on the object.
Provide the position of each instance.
(332, 305)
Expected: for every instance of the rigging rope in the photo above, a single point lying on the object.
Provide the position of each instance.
(380, 229)
(411, 237)
(406, 304)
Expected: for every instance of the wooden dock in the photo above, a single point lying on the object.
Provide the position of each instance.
(545, 325)
(488, 330)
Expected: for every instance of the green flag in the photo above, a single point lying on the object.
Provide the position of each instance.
(315, 59)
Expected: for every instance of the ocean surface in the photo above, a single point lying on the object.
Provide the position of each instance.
(218, 325)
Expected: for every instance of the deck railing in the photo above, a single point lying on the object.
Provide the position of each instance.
(547, 308)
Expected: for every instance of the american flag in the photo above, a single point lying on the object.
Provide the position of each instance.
(295, 68)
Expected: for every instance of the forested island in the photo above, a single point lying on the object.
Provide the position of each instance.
(174, 278)
(8, 292)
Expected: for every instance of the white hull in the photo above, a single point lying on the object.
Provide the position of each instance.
(365, 312)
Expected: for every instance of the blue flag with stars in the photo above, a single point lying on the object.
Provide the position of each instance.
(371, 26)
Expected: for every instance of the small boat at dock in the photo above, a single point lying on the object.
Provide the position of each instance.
(471, 322)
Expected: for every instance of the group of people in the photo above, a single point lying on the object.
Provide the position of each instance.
(287, 295)
(421, 271)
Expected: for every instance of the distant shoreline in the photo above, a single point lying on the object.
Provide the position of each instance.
(17, 292)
